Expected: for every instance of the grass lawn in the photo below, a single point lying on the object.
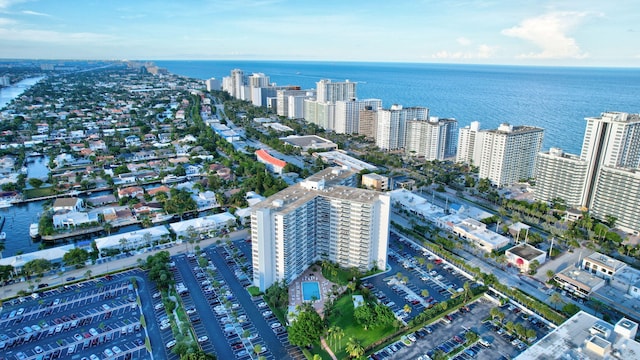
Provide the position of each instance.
(344, 319)
(338, 275)
(35, 193)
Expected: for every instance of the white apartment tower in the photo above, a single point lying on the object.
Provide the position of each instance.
(317, 219)
(558, 175)
(347, 114)
(605, 174)
(391, 125)
(212, 84)
(508, 154)
(434, 139)
(290, 103)
(467, 144)
(329, 91)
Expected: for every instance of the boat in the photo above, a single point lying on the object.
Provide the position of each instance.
(5, 203)
(161, 218)
(33, 230)
(3, 236)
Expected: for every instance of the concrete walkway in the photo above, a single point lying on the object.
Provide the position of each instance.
(12, 290)
(327, 348)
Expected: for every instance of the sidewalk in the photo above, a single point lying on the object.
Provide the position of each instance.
(12, 290)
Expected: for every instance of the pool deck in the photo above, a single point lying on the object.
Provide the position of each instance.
(295, 288)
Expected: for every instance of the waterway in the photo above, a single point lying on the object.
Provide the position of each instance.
(11, 92)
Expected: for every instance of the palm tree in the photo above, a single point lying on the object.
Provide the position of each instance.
(107, 227)
(424, 293)
(550, 274)
(407, 308)
(338, 334)
(555, 299)
(467, 290)
(354, 348)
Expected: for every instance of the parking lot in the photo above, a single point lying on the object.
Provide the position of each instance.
(94, 319)
(244, 326)
(439, 280)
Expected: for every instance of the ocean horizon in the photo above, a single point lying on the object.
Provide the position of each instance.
(556, 99)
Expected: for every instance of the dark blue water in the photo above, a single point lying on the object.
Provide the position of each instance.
(554, 98)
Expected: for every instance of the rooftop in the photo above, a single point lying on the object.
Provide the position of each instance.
(582, 278)
(343, 159)
(306, 141)
(579, 337)
(526, 251)
(605, 261)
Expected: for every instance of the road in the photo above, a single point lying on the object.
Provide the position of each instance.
(114, 265)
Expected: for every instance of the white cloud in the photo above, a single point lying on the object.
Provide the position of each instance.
(8, 3)
(483, 51)
(29, 12)
(6, 21)
(548, 32)
(46, 36)
(463, 41)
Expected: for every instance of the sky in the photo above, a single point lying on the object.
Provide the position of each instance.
(511, 32)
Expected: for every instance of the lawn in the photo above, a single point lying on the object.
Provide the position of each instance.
(35, 193)
(343, 318)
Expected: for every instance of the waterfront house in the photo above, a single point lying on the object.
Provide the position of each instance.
(69, 203)
(69, 218)
(159, 189)
(131, 191)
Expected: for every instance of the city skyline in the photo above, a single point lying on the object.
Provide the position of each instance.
(574, 33)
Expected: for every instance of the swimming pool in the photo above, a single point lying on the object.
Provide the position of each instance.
(310, 290)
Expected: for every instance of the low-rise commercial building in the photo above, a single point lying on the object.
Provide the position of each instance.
(587, 337)
(133, 239)
(375, 181)
(578, 282)
(523, 255)
(203, 225)
(477, 232)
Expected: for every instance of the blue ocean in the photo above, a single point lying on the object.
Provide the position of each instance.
(554, 98)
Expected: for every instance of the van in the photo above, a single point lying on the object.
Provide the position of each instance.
(484, 342)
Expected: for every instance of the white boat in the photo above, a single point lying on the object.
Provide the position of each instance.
(5, 203)
(33, 230)
(161, 218)
(3, 236)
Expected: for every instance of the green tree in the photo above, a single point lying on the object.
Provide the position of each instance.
(364, 315)
(354, 348)
(555, 299)
(36, 266)
(550, 274)
(75, 257)
(35, 182)
(307, 328)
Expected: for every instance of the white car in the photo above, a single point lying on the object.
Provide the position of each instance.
(202, 339)
(159, 306)
(94, 357)
(116, 350)
(171, 344)
(267, 313)
(165, 326)
(262, 305)
(108, 353)
(191, 311)
(276, 325)
(157, 295)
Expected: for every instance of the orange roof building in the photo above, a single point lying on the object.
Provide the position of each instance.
(273, 164)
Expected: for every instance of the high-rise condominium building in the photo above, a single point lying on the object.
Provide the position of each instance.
(468, 147)
(392, 123)
(290, 103)
(212, 84)
(434, 139)
(324, 217)
(558, 175)
(508, 153)
(347, 114)
(329, 91)
(605, 174)
(368, 122)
